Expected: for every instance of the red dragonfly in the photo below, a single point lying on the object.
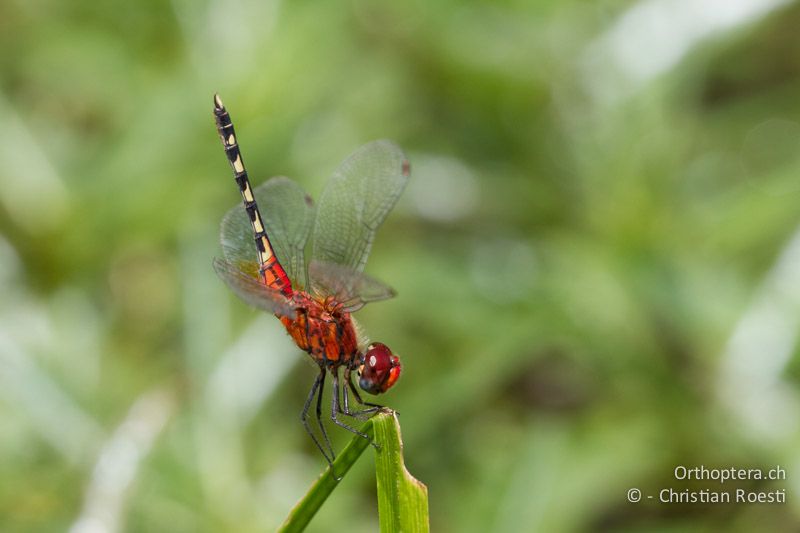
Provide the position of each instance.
(264, 265)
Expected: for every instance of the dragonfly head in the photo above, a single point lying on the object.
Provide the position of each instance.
(379, 369)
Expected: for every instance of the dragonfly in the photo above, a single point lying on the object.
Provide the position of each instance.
(264, 242)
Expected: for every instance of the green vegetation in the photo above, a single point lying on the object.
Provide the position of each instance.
(402, 500)
(595, 260)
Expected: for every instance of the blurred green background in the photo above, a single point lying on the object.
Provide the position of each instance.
(597, 258)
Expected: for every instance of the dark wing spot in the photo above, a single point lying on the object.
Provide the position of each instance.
(406, 167)
(309, 201)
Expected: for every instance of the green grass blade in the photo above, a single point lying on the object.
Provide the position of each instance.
(402, 500)
(306, 508)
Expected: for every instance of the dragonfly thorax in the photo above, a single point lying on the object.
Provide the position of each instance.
(323, 329)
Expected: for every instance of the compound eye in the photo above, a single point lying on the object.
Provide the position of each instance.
(380, 369)
(378, 357)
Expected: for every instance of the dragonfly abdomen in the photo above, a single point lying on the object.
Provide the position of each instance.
(270, 269)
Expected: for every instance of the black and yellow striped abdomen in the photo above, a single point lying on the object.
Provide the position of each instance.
(272, 272)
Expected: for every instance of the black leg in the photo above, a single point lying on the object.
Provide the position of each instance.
(319, 414)
(335, 410)
(345, 409)
(304, 415)
(361, 414)
(358, 396)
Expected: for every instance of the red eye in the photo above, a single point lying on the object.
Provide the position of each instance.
(380, 370)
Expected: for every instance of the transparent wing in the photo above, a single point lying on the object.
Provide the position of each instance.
(288, 215)
(351, 288)
(251, 291)
(355, 202)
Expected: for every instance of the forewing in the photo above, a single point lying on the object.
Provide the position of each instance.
(236, 237)
(252, 291)
(288, 215)
(351, 288)
(355, 202)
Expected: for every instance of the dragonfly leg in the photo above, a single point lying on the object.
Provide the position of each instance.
(319, 413)
(361, 415)
(316, 390)
(371, 407)
(335, 410)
